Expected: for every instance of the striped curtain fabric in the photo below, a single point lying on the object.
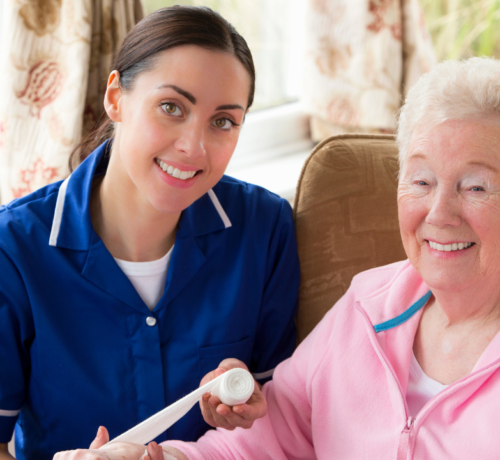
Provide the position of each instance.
(54, 60)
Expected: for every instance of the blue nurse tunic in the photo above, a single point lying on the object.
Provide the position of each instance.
(80, 349)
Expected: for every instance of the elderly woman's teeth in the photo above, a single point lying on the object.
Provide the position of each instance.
(449, 247)
(175, 172)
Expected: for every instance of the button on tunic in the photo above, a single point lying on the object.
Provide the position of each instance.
(150, 321)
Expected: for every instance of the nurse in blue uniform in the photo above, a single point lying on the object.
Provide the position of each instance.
(123, 285)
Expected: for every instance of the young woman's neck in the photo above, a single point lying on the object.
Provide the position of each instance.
(130, 227)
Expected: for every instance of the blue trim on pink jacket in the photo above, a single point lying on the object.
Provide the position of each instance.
(405, 316)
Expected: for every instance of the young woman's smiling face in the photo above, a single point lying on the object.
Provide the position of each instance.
(449, 204)
(176, 129)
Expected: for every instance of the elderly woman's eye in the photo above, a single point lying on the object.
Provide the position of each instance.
(477, 189)
(421, 182)
(171, 109)
(223, 123)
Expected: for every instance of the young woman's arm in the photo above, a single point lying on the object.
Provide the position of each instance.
(16, 335)
(275, 337)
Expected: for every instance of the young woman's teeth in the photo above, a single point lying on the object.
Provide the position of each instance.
(449, 247)
(175, 172)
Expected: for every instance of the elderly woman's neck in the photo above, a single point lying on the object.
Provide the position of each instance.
(474, 306)
(454, 330)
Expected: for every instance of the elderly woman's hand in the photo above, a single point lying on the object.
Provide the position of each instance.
(156, 452)
(120, 451)
(115, 451)
(220, 415)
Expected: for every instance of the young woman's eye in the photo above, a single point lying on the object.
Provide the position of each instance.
(223, 123)
(172, 109)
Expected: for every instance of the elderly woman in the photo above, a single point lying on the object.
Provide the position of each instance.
(406, 365)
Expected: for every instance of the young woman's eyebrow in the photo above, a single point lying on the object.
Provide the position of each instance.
(192, 99)
(182, 92)
(230, 107)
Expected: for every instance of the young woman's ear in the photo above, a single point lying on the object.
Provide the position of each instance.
(113, 96)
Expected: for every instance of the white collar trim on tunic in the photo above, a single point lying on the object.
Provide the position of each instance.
(56, 222)
(61, 196)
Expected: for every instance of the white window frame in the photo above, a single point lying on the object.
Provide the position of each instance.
(273, 145)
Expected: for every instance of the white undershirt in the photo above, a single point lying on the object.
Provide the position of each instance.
(421, 388)
(148, 278)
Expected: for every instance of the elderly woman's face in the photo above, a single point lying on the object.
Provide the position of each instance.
(449, 203)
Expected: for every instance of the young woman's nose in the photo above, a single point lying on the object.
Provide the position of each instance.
(191, 140)
(444, 209)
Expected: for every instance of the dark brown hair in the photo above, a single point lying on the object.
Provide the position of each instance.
(162, 30)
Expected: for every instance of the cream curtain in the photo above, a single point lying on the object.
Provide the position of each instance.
(361, 58)
(54, 61)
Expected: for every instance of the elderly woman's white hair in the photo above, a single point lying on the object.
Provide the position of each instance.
(451, 90)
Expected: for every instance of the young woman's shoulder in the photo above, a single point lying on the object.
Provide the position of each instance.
(248, 201)
(28, 217)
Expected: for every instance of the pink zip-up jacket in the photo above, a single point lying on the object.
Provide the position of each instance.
(342, 393)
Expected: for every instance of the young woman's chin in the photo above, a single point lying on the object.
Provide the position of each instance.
(171, 200)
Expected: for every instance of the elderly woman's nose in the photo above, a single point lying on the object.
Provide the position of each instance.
(444, 210)
(190, 140)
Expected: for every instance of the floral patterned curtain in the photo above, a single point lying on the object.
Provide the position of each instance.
(362, 56)
(54, 61)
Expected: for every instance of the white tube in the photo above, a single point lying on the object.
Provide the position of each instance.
(233, 387)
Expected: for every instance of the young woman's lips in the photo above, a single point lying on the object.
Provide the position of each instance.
(183, 179)
(450, 249)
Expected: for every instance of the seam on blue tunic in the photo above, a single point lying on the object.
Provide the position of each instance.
(405, 316)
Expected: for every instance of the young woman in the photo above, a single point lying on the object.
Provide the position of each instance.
(95, 330)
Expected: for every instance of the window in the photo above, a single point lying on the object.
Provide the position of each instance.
(463, 28)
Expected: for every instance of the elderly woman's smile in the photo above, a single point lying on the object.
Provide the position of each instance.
(446, 247)
(449, 203)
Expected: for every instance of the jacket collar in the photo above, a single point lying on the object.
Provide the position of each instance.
(396, 301)
(72, 227)
(205, 215)
(394, 312)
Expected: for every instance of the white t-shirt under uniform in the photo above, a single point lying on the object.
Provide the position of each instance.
(148, 278)
(421, 388)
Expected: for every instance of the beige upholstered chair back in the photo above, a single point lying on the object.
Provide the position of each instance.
(346, 218)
